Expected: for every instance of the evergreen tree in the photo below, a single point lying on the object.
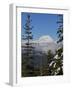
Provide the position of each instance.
(50, 60)
(55, 63)
(59, 53)
(27, 50)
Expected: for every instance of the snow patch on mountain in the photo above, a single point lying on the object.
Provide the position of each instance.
(45, 39)
(44, 43)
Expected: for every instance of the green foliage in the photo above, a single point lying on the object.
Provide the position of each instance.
(50, 56)
(58, 64)
(50, 59)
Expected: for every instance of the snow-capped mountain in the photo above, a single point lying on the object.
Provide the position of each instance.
(44, 43)
(47, 43)
(46, 39)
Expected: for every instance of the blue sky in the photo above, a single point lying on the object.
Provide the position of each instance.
(44, 24)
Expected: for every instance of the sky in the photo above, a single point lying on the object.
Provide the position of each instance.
(43, 24)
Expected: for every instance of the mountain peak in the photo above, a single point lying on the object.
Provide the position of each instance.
(46, 39)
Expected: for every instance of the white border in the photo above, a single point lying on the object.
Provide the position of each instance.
(17, 80)
(12, 45)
